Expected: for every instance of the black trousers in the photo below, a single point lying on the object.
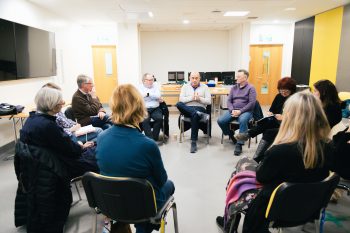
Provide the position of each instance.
(157, 116)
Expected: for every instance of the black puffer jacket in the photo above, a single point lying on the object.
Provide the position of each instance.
(43, 196)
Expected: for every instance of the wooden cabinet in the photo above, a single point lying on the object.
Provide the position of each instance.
(170, 93)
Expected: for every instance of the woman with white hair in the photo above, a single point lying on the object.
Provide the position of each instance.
(45, 160)
(41, 130)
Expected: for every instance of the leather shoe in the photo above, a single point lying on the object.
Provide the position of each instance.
(238, 149)
(220, 222)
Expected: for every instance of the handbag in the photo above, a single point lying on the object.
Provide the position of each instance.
(9, 109)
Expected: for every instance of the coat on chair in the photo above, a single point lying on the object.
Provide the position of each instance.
(43, 195)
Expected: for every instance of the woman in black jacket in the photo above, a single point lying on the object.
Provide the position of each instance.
(46, 160)
(286, 87)
(301, 152)
(328, 94)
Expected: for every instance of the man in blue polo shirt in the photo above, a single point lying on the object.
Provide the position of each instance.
(240, 103)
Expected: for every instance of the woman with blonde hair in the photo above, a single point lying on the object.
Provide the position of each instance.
(301, 152)
(123, 151)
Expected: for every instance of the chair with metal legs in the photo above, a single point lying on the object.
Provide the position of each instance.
(206, 121)
(126, 200)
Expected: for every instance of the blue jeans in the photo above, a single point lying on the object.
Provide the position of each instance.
(167, 190)
(243, 120)
(89, 137)
(105, 123)
(190, 111)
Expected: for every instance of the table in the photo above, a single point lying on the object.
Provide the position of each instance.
(16, 119)
(217, 92)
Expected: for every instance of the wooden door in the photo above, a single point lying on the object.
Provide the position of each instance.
(105, 71)
(265, 70)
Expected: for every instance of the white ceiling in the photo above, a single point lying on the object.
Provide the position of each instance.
(168, 14)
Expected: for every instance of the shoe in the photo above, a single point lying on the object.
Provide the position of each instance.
(202, 115)
(220, 222)
(193, 147)
(242, 136)
(238, 149)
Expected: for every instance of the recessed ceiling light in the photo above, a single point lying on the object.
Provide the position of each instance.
(290, 9)
(150, 14)
(276, 21)
(185, 21)
(236, 13)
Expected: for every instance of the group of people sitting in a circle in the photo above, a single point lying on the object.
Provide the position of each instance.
(296, 144)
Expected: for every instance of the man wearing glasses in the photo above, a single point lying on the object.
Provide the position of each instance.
(194, 98)
(151, 96)
(240, 103)
(87, 107)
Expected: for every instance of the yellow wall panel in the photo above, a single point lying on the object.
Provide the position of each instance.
(325, 48)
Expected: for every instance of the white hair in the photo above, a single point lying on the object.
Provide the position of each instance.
(47, 99)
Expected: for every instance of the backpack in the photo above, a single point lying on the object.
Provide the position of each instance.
(8, 109)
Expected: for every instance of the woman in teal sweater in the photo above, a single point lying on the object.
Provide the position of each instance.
(124, 151)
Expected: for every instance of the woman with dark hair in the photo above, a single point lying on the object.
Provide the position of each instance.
(326, 91)
(286, 87)
(269, 126)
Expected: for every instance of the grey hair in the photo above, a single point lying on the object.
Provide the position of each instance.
(245, 72)
(145, 75)
(82, 78)
(47, 99)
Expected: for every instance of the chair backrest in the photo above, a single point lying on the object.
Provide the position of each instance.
(257, 111)
(292, 204)
(128, 200)
(69, 113)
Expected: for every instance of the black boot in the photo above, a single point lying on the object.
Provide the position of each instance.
(260, 151)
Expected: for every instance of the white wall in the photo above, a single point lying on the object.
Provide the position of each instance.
(276, 34)
(239, 47)
(184, 51)
(74, 54)
(137, 53)
(128, 55)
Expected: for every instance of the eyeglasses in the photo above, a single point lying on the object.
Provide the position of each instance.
(149, 79)
(89, 83)
(284, 90)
